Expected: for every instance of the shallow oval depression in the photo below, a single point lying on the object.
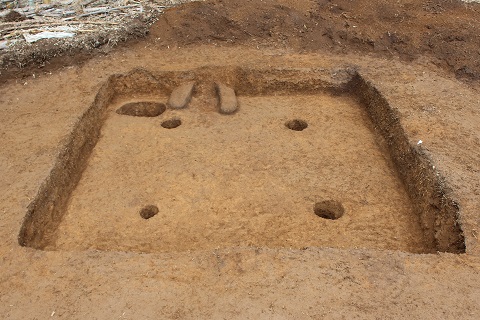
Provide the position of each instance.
(148, 212)
(142, 109)
(329, 209)
(171, 124)
(296, 125)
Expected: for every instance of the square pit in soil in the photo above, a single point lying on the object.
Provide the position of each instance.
(241, 180)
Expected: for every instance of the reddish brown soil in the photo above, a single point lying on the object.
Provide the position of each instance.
(252, 280)
(446, 31)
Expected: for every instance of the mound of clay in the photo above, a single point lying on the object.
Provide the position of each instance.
(142, 109)
(181, 96)
(228, 99)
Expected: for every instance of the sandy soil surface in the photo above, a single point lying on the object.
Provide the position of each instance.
(373, 277)
(243, 180)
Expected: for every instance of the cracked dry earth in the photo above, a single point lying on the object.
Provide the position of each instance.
(313, 198)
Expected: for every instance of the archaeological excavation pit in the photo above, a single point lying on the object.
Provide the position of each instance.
(300, 160)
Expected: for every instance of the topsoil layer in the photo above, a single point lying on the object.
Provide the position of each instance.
(445, 31)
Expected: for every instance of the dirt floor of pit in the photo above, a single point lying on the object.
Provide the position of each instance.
(37, 114)
(241, 180)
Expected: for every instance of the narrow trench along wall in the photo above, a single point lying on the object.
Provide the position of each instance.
(46, 210)
(438, 213)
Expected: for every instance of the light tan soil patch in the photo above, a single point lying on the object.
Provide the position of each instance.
(242, 180)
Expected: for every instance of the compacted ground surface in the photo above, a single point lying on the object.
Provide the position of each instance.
(245, 179)
(239, 231)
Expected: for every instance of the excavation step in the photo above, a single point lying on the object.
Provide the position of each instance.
(228, 99)
(142, 109)
(181, 96)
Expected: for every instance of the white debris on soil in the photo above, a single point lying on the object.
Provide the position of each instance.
(32, 20)
(30, 38)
